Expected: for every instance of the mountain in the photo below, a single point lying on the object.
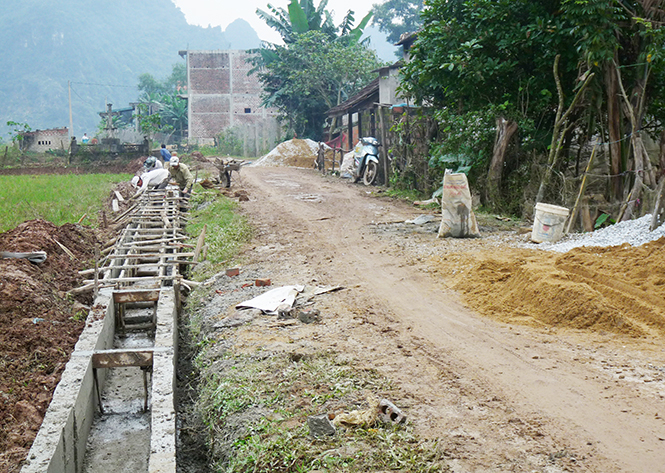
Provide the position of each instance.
(101, 47)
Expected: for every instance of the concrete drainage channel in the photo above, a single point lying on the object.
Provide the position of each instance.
(113, 409)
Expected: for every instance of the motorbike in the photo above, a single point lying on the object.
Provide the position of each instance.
(366, 160)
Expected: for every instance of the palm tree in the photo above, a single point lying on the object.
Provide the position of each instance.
(303, 16)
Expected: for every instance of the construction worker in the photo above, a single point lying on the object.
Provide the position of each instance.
(155, 179)
(152, 163)
(166, 155)
(182, 175)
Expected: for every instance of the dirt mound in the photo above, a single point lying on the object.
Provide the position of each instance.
(39, 326)
(618, 289)
(295, 153)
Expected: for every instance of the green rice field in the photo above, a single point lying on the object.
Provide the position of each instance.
(59, 199)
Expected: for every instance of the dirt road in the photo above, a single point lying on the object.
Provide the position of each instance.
(500, 396)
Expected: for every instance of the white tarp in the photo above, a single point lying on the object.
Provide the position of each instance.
(269, 301)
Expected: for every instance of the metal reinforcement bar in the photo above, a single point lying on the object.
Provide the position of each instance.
(138, 275)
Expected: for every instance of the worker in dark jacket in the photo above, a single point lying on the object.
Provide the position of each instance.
(166, 155)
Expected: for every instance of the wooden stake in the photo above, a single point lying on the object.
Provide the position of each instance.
(573, 214)
(199, 243)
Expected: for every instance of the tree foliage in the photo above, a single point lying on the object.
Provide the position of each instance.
(318, 66)
(313, 75)
(396, 17)
(161, 108)
(496, 57)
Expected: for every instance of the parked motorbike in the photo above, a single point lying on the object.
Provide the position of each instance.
(366, 159)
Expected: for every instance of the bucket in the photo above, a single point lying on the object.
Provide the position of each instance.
(548, 223)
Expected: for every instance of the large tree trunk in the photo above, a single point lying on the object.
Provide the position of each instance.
(505, 130)
(614, 129)
(661, 157)
(642, 165)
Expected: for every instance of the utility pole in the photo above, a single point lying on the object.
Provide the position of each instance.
(71, 124)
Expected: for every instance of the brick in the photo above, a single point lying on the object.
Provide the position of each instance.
(232, 272)
(262, 282)
(391, 413)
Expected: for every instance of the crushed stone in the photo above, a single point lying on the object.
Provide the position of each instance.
(634, 232)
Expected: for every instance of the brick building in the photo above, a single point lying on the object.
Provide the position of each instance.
(40, 141)
(221, 95)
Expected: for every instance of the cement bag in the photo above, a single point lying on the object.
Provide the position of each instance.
(346, 170)
(457, 219)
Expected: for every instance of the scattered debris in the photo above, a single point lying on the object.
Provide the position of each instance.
(391, 413)
(433, 200)
(237, 319)
(320, 426)
(309, 316)
(422, 219)
(360, 417)
(270, 301)
(34, 257)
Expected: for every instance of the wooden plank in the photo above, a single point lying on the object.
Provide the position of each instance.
(114, 205)
(121, 359)
(119, 196)
(199, 243)
(151, 255)
(146, 295)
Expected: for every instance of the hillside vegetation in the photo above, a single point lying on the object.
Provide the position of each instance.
(101, 47)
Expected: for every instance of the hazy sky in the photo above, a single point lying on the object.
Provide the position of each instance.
(222, 12)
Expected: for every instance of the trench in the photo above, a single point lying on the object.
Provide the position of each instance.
(114, 408)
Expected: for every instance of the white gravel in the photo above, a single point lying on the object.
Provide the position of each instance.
(634, 232)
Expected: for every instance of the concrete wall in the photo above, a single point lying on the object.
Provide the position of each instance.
(60, 444)
(163, 422)
(40, 141)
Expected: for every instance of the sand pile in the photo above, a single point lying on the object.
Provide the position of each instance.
(294, 153)
(618, 289)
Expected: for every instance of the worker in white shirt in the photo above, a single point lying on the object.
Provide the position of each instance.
(152, 163)
(155, 179)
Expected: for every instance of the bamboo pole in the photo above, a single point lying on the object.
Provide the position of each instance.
(573, 214)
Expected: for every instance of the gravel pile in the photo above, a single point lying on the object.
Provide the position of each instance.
(634, 232)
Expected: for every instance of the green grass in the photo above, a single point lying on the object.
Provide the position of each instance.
(226, 231)
(292, 391)
(59, 199)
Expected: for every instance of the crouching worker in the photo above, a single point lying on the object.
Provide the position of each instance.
(182, 175)
(152, 163)
(155, 179)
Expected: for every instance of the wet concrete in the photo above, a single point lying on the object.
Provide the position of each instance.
(119, 439)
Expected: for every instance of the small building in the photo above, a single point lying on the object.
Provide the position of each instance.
(380, 94)
(222, 95)
(41, 141)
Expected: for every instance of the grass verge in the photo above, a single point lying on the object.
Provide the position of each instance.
(59, 199)
(256, 410)
(226, 231)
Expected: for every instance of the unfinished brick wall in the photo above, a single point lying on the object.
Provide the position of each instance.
(221, 95)
(40, 141)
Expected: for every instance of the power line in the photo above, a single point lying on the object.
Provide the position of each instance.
(107, 85)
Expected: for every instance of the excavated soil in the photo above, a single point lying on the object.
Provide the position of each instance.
(39, 326)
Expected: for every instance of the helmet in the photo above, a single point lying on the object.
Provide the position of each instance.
(175, 161)
(135, 181)
(150, 162)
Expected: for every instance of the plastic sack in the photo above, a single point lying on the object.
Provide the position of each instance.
(457, 219)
